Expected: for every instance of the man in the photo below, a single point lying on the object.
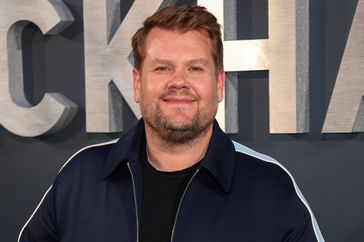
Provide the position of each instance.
(175, 176)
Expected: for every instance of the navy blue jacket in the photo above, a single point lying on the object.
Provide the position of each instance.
(235, 195)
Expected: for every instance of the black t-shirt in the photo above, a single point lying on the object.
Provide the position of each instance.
(162, 192)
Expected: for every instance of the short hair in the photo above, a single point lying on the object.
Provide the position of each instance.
(182, 19)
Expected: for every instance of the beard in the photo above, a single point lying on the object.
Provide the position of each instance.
(178, 131)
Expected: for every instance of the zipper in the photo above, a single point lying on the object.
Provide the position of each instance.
(180, 202)
(135, 203)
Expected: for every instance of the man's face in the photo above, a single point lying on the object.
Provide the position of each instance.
(178, 88)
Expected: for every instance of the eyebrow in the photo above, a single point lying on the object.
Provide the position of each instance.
(162, 61)
(189, 62)
(198, 61)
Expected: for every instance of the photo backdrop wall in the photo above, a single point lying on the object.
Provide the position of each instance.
(328, 166)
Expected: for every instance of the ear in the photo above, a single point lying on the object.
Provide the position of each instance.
(136, 85)
(220, 85)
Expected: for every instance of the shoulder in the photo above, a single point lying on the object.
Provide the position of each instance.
(86, 162)
(266, 177)
(270, 180)
(260, 164)
(264, 174)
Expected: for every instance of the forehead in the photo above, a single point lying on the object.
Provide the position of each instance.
(170, 43)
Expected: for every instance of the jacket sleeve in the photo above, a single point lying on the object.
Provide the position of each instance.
(41, 227)
(301, 221)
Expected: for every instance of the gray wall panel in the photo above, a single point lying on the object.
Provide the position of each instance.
(327, 167)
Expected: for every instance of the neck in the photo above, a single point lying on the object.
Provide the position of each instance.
(165, 156)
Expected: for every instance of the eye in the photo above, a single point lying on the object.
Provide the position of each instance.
(195, 69)
(162, 69)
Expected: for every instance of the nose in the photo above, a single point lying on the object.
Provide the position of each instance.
(178, 80)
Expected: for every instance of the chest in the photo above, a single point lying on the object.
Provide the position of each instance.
(113, 211)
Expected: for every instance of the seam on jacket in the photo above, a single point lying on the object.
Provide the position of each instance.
(31, 216)
(85, 148)
(245, 150)
(45, 194)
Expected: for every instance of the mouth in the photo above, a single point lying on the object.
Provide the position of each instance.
(178, 100)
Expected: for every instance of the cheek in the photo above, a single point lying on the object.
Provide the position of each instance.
(149, 91)
(208, 91)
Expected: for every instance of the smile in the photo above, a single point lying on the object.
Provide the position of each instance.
(180, 101)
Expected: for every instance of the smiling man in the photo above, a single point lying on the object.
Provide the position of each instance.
(175, 176)
(178, 87)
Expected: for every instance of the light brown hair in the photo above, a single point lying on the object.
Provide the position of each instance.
(182, 19)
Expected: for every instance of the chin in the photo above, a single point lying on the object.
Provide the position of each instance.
(179, 121)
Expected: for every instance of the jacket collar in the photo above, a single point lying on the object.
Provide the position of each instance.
(219, 159)
(127, 149)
